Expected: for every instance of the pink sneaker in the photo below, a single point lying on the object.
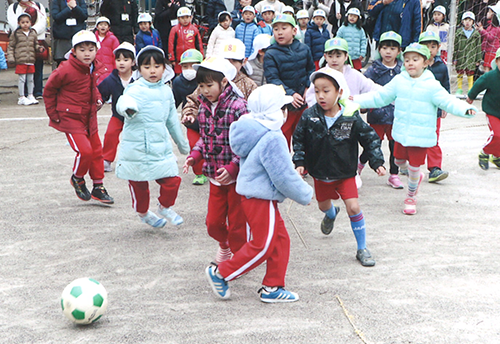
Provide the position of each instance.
(410, 206)
(419, 182)
(222, 255)
(395, 182)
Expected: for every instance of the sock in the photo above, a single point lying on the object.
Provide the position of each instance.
(413, 179)
(460, 78)
(470, 81)
(331, 213)
(402, 164)
(359, 228)
(361, 166)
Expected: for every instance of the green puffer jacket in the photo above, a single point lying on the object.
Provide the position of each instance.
(22, 49)
(467, 50)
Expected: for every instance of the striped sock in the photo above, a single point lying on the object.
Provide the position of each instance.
(413, 180)
(359, 228)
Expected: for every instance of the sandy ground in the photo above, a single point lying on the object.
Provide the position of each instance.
(436, 278)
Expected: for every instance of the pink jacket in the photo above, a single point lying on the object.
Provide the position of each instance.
(105, 52)
(490, 37)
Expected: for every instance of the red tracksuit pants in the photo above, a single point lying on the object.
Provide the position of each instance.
(270, 243)
(169, 187)
(225, 219)
(88, 158)
(289, 126)
(193, 137)
(492, 146)
(112, 139)
(434, 154)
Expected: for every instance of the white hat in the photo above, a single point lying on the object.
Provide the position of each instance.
(218, 64)
(23, 14)
(319, 13)
(355, 11)
(440, 9)
(146, 48)
(261, 41)
(183, 11)
(248, 9)
(223, 12)
(302, 14)
(287, 9)
(102, 20)
(83, 36)
(125, 46)
(265, 104)
(234, 49)
(267, 8)
(469, 15)
(144, 18)
(335, 75)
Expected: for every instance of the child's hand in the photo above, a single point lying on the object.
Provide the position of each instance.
(185, 167)
(188, 119)
(223, 176)
(298, 101)
(381, 171)
(468, 100)
(130, 112)
(444, 114)
(300, 170)
(41, 49)
(99, 104)
(351, 98)
(471, 112)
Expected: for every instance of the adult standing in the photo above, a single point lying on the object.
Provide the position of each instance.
(39, 24)
(68, 17)
(123, 17)
(165, 11)
(401, 16)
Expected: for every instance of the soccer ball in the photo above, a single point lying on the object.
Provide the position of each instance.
(84, 301)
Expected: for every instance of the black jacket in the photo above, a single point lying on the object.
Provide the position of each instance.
(163, 15)
(123, 29)
(112, 87)
(332, 154)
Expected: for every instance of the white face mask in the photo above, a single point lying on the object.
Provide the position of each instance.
(189, 74)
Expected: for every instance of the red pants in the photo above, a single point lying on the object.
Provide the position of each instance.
(226, 222)
(434, 154)
(88, 158)
(140, 193)
(193, 137)
(356, 63)
(270, 243)
(291, 123)
(444, 56)
(492, 146)
(316, 64)
(112, 139)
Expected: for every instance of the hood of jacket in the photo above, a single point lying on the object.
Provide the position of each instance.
(380, 68)
(244, 135)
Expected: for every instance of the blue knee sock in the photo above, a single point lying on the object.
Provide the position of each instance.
(359, 229)
(332, 212)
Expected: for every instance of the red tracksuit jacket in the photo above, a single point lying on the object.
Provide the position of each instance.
(181, 39)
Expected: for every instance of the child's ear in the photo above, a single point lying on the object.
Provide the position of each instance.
(224, 82)
(294, 31)
(73, 51)
(340, 93)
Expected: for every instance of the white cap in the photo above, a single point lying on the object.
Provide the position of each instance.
(355, 11)
(144, 18)
(248, 9)
(125, 46)
(265, 104)
(146, 48)
(302, 14)
(469, 15)
(102, 20)
(288, 9)
(223, 12)
(267, 8)
(319, 13)
(335, 75)
(261, 41)
(234, 49)
(440, 9)
(23, 14)
(183, 11)
(83, 36)
(218, 64)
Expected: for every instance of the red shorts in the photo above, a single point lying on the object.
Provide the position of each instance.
(414, 155)
(25, 69)
(383, 129)
(343, 188)
(488, 58)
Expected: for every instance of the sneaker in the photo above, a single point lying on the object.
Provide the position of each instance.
(170, 215)
(422, 175)
(327, 223)
(403, 172)
(80, 188)
(217, 282)
(22, 101)
(359, 182)
(395, 182)
(437, 174)
(200, 179)
(32, 100)
(223, 254)
(495, 160)
(153, 220)
(459, 93)
(100, 194)
(39, 97)
(365, 257)
(483, 161)
(107, 166)
(278, 295)
(410, 206)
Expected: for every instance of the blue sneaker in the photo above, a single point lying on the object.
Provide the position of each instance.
(153, 220)
(218, 284)
(278, 295)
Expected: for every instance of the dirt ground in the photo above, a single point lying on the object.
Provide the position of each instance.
(436, 278)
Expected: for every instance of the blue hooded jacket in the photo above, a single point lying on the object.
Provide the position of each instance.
(149, 38)
(315, 39)
(246, 32)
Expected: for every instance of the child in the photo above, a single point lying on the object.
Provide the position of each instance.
(303, 19)
(247, 30)
(316, 35)
(288, 10)
(417, 95)
(234, 51)
(220, 106)
(352, 31)
(112, 87)
(237, 14)
(182, 37)
(437, 66)
(23, 45)
(182, 86)
(72, 100)
(442, 28)
(266, 178)
(289, 63)
(326, 145)
(147, 35)
(490, 36)
(467, 51)
(267, 20)
(256, 60)
(382, 71)
(491, 83)
(220, 35)
(106, 44)
(146, 149)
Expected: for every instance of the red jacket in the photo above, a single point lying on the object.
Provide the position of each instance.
(105, 52)
(71, 97)
(181, 39)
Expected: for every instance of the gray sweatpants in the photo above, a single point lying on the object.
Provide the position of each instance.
(23, 79)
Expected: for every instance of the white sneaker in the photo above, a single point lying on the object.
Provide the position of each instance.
(107, 166)
(170, 215)
(22, 101)
(32, 100)
(359, 182)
